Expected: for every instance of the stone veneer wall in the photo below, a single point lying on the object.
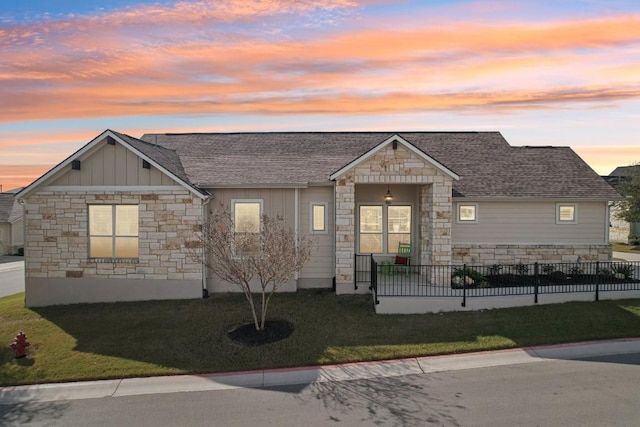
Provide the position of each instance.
(487, 254)
(399, 166)
(57, 236)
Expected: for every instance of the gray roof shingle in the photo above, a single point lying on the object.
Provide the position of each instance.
(487, 165)
(10, 209)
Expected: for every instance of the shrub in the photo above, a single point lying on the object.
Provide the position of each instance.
(521, 268)
(623, 271)
(547, 268)
(576, 270)
(508, 279)
(474, 275)
(495, 269)
(557, 277)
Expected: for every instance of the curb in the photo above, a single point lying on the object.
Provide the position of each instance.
(314, 374)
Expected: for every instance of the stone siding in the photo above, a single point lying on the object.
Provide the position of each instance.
(527, 254)
(399, 166)
(57, 243)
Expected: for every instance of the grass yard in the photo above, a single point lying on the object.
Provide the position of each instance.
(624, 247)
(99, 341)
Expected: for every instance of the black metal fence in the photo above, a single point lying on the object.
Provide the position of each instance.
(469, 281)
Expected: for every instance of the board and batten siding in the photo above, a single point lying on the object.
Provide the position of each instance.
(112, 165)
(531, 223)
(318, 272)
(275, 201)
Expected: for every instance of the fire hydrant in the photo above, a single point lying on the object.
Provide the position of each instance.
(20, 345)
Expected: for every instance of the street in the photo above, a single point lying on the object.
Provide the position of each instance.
(11, 278)
(594, 391)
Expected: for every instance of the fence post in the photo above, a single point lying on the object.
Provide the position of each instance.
(355, 271)
(597, 280)
(535, 282)
(464, 285)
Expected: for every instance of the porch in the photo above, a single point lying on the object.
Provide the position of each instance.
(433, 288)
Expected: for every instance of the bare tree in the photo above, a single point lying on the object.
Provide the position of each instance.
(270, 255)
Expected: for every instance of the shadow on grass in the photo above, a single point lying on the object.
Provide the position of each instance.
(170, 337)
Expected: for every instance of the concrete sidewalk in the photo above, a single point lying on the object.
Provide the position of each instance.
(308, 375)
(627, 256)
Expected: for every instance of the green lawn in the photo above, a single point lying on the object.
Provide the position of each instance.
(97, 341)
(624, 247)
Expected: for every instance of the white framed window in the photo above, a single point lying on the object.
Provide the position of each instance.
(382, 227)
(318, 217)
(246, 222)
(566, 213)
(398, 227)
(467, 213)
(113, 231)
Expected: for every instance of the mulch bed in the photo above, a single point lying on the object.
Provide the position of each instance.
(274, 330)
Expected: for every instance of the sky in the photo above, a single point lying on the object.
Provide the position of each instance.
(563, 73)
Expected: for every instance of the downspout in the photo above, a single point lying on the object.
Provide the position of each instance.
(296, 225)
(205, 291)
(24, 245)
(607, 228)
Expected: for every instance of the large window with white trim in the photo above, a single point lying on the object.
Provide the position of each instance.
(113, 231)
(382, 227)
(246, 222)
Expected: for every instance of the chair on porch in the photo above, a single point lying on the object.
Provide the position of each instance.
(403, 259)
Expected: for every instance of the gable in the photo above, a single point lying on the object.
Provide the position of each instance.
(395, 156)
(114, 161)
(111, 165)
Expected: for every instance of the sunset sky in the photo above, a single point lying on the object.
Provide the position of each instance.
(540, 72)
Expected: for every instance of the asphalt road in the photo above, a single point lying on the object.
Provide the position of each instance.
(595, 391)
(11, 278)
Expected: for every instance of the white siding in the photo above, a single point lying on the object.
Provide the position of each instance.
(531, 222)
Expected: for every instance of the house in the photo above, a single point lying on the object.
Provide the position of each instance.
(620, 230)
(11, 224)
(114, 220)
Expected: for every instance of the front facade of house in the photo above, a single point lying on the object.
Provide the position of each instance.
(116, 221)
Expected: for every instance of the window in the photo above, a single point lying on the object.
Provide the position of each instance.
(468, 212)
(383, 227)
(398, 226)
(113, 231)
(246, 221)
(566, 213)
(371, 229)
(318, 218)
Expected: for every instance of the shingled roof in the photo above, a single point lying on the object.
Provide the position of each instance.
(10, 209)
(487, 165)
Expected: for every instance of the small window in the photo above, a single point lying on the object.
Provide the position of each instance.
(468, 212)
(318, 218)
(246, 221)
(113, 231)
(566, 213)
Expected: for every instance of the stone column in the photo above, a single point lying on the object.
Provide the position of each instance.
(345, 233)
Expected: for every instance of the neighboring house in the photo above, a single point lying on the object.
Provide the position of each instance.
(620, 230)
(11, 224)
(114, 220)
